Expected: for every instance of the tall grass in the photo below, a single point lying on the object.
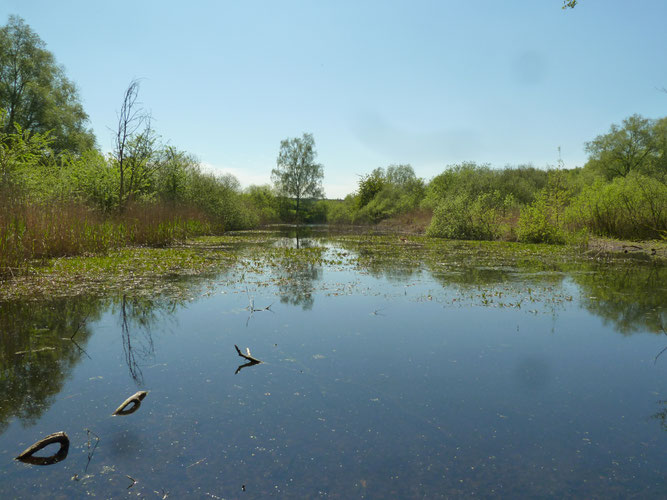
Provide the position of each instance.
(31, 231)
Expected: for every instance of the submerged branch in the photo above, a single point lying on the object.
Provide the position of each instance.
(57, 437)
(134, 400)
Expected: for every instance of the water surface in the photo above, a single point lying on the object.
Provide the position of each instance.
(390, 368)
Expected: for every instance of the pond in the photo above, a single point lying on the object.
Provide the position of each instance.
(392, 367)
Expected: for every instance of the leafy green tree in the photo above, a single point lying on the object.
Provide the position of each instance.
(36, 93)
(369, 186)
(296, 173)
(630, 147)
(401, 175)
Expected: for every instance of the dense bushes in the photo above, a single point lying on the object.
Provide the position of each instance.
(469, 217)
(381, 194)
(632, 207)
(473, 201)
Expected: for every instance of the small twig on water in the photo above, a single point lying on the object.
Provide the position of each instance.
(32, 351)
(91, 452)
(247, 356)
(251, 360)
(81, 323)
(196, 463)
(71, 338)
(665, 349)
(251, 307)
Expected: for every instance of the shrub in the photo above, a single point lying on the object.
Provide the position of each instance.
(632, 207)
(470, 218)
(537, 224)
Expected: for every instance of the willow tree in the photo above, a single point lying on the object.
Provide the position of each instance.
(36, 94)
(296, 174)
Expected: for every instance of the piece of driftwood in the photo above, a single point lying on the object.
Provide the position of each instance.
(57, 437)
(251, 360)
(247, 356)
(134, 400)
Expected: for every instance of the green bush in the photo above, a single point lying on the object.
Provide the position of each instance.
(632, 207)
(537, 224)
(465, 217)
(341, 211)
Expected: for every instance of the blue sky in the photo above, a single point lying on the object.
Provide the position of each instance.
(430, 83)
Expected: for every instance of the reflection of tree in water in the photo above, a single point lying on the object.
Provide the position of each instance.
(632, 297)
(379, 265)
(296, 287)
(382, 258)
(36, 355)
(137, 315)
(296, 282)
(296, 237)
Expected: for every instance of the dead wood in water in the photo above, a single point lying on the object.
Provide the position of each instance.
(57, 437)
(135, 399)
(248, 356)
(251, 360)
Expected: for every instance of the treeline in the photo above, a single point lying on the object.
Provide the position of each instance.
(621, 192)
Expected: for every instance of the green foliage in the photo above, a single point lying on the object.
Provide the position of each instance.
(342, 211)
(369, 186)
(264, 201)
(542, 221)
(36, 93)
(639, 145)
(537, 224)
(469, 217)
(471, 179)
(631, 207)
(296, 174)
(20, 152)
(381, 195)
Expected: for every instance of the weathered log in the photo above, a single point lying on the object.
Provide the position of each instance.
(57, 437)
(134, 400)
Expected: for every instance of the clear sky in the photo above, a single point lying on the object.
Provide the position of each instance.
(430, 83)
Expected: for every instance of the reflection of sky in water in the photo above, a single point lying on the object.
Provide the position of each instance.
(385, 387)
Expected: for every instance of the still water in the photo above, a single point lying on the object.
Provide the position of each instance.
(390, 369)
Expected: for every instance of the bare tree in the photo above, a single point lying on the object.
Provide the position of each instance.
(135, 148)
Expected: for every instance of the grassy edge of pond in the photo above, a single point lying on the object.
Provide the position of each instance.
(150, 270)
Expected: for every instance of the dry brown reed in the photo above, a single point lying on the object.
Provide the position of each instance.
(30, 230)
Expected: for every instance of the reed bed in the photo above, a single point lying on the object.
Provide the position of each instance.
(41, 230)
